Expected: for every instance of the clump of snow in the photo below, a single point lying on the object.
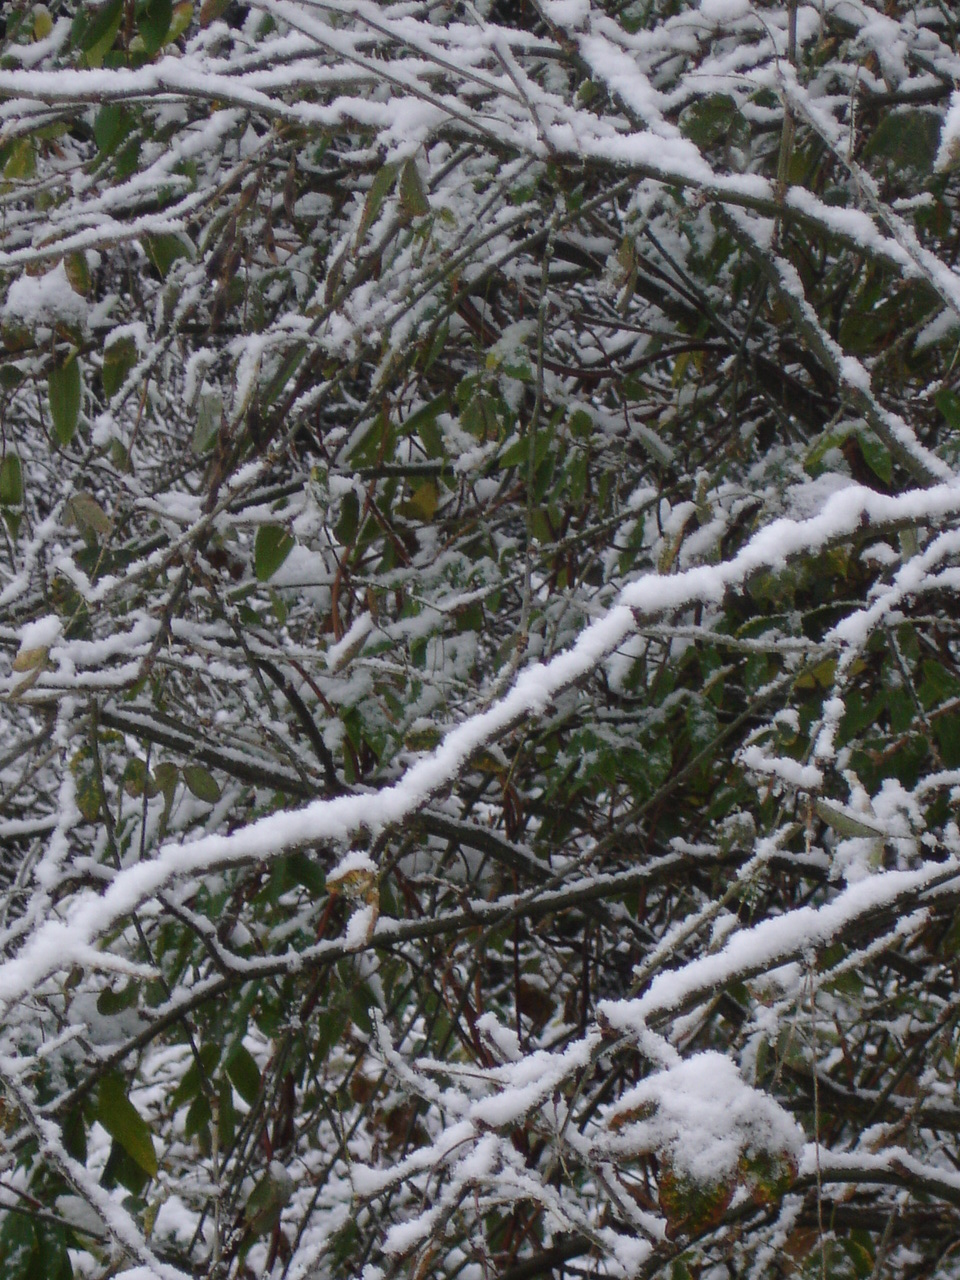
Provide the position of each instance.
(724, 11)
(703, 1118)
(936, 330)
(879, 553)
(339, 654)
(42, 633)
(567, 13)
(80, 1214)
(504, 1040)
(948, 154)
(359, 928)
(44, 302)
(807, 498)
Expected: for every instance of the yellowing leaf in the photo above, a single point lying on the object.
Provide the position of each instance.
(135, 777)
(87, 515)
(210, 10)
(422, 739)
(42, 22)
(77, 272)
(425, 500)
(182, 17)
(21, 162)
(354, 884)
(691, 1206)
(30, 659)
(822, 674)
(844, 822)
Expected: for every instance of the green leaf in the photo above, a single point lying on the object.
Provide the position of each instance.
(826, 441)
(123, 1169)
(938, 684)
(164, 250)
(267, 1200)
(111, 1002)
(287, 369)
(124, 1123)
(948, 402)
(349, 521)
(118, 359)
(244, 1074)
(74, 1136)
(164, 782)
(153, 23)
(380, 188)
(18, 1243)
(64, 387)
(189, 1086)
(436, 346)
(271, 547)
(197, 1122)
(165, 776)
(413, 194)
(202, 783)
(424, 422)
(11, 481)
(876, 455)
(768, 1175)
(226, 1114)
(209, 421)
(906, 139)
(710, 119)
(54, 1260)
(101, 31)
(135, 777)
(109, 126)
(946, 730)
(470, 618)
(33, 1250)
(89, 795)
(861, 1257)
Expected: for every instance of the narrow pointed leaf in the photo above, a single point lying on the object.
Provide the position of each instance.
(124, 1122)
(64, 387)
